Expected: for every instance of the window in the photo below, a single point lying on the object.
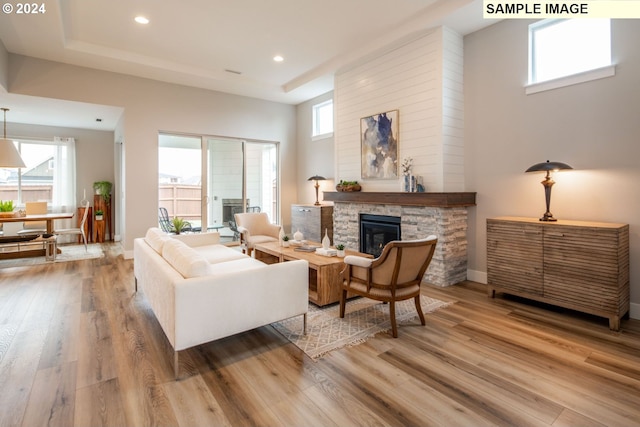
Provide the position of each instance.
(567, 47)
(49, 175)
(322, 120)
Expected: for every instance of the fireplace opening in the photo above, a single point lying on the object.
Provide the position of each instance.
(376, 231)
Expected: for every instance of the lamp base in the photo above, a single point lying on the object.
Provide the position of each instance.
(548, 217)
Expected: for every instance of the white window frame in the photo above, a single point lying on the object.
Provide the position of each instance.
(571, 79)
(316, 125)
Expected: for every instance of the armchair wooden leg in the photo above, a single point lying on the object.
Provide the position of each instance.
(343, 302)
(392, 314)
(304, 324)
(419, 309)
(176, 366)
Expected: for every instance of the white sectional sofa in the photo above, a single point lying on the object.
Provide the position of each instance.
(201, 290)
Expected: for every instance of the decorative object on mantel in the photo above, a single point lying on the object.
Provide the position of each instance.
(379, 146)
(548, 182)
(9, 156)
(408, 180)
(317, 178)
(348, 186)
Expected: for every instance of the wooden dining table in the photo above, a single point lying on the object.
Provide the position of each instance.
(49, 218)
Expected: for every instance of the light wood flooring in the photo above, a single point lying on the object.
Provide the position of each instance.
(79, 348)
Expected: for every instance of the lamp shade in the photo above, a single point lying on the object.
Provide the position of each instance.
(9, 156)
(548, 166)
(317, 178)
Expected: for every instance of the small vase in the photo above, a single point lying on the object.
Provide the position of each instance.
(325, 240)
(298, 236)
(280, 236)
(341, 253)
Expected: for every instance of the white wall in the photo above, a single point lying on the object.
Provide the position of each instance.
(422, 79)
(592, 126)
(150, 107)
(314, 157)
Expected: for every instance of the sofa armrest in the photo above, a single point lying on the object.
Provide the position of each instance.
(198, 239)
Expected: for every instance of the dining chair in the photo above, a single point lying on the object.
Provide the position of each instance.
(77, 231)
(395, 275)
(34, 227)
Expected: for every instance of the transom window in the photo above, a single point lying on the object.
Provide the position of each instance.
(565, 47)
(323, 120)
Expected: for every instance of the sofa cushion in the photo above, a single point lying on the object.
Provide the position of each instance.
(237, 265)
(184, 259)
(156, 238)
(219, 253)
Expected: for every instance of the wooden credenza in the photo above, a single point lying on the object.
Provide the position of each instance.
(312, 221)
(579, 265)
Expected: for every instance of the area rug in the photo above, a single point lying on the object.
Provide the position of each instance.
(69, 252)
(363, 319)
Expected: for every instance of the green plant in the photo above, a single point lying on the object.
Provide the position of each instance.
(99, 212)
(103, 188)
(6, 206)
(285, 238)
(348, 182)
(178, 224)
(340, 247)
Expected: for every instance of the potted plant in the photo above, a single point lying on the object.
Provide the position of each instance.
(348, 186)
(285, 241)
(103, 188)
(6, 208)
(340, 249)
(178, 224)
(99, 215)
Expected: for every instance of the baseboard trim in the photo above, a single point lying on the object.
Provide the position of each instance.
(477, 276)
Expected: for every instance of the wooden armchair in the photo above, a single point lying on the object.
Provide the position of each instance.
(255, 227)
(394, 276)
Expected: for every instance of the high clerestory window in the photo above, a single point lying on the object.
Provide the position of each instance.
(568, 51)
(322, 120)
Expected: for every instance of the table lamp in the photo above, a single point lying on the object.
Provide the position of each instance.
(548, 182)
(317, 178)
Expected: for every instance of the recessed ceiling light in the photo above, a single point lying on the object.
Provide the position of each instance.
(278, 58)
(141, 20)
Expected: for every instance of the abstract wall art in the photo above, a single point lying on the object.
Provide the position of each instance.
(379, 145)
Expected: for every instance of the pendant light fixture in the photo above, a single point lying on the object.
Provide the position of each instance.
(9, 156)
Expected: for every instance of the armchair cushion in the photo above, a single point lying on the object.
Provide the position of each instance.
(254, 227)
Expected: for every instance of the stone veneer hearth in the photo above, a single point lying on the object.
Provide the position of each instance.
(449, 223)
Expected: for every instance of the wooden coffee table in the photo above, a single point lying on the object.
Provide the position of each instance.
(325, 281)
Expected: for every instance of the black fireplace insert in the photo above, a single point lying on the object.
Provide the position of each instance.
(376, 231)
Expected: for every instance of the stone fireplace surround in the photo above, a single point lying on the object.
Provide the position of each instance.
(422, 214)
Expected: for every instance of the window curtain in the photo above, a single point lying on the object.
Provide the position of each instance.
(64, 179)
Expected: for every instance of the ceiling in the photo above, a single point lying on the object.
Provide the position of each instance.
(226, 46)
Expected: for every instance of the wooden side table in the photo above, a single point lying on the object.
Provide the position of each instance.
(98, 230)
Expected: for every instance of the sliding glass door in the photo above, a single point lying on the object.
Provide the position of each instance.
(240, 176)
